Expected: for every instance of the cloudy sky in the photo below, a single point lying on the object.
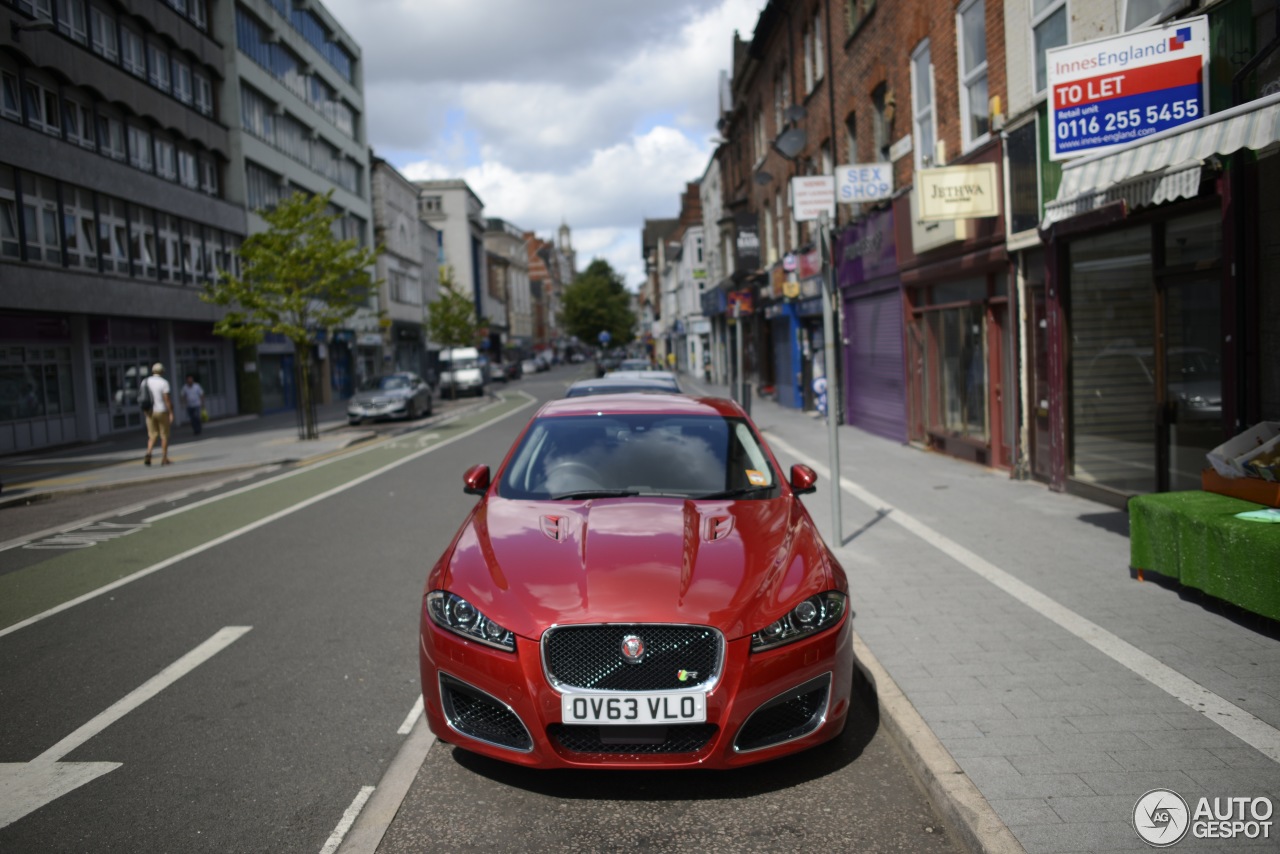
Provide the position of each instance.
(590, 112)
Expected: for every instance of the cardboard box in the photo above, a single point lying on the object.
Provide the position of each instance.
(1229, 458)
(1245, 488)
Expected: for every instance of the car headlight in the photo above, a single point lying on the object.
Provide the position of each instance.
(807, 618)
(461, 617)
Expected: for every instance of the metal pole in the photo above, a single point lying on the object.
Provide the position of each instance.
(737, 354)
(829, 355)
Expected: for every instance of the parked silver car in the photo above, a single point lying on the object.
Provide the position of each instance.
(399, 395)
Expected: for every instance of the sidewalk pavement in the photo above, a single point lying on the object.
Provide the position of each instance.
(1032, 666)
(226, 445)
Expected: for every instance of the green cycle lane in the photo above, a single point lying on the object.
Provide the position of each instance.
(123, 549)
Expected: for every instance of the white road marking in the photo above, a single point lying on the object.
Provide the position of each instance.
(1235, 720)
(414, 714)
(27, 786)
(348, 819)
(221, 639)
(252, 526)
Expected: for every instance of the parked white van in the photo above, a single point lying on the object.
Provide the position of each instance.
(461, 372)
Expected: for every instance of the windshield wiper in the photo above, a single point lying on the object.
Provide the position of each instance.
(741, 492)
(595, 493)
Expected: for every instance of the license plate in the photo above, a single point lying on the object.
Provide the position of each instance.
(674, 708)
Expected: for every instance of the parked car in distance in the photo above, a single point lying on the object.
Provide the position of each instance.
(638, 586)
(611, 384)
(529, 366)
(497, 372)
(399, 395)
(462, 372)
(635, 365)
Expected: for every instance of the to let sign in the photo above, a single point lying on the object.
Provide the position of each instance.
(864, 182)
(812, 196)
(1114, 90)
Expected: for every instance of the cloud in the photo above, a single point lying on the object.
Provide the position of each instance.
(590, 112)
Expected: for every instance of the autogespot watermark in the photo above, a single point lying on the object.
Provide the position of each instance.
(1162, 818)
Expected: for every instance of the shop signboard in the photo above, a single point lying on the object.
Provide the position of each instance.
(812, 196)
(746, 242)
(958, 192)
(1111, 91)
(857, 183)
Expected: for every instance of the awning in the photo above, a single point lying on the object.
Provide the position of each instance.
(1164, 166)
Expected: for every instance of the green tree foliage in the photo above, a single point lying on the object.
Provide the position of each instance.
(451, 319)
(598, 301)
(296, 279)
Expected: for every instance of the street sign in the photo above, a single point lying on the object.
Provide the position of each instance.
(812, 196)
(604, 336)
(1114, 90)
(864, 182)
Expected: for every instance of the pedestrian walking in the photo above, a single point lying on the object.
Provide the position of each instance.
(157, 405)
(193, 399)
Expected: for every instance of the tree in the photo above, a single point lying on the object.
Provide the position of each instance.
(297, 278)
(451, 319)
(598, 301)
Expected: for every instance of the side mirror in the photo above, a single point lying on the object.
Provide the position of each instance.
(476, 480)
(803, 480)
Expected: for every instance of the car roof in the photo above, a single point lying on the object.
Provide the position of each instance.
(649, 376)
(652, 403)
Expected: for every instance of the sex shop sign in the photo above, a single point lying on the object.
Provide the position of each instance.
(1112, 91)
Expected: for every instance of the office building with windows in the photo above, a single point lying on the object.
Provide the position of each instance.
(295, 100)
(114, 212)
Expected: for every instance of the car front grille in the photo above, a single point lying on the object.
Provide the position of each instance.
(590, 657)
(612, 741)
(473, 712)
(788, 716)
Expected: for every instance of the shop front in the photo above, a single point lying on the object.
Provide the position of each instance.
(959, 350)
(1161, 266)
(871, 296)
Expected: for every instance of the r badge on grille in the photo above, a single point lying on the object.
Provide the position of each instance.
(632, 649)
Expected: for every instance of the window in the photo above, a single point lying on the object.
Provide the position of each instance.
(975, 118)
(810, 78)
(289, 70)
(40, 219)
(41, 9)
(208, 175)
(1048, 30)
(855, 12)
(430, 204)
(257, 115)
(758, 136)
(158, 61)
(851, 138)
(203, 364)
(182, 81)
(203, 93)
(781, 98)
(293, 138)
(103, 34)
(196, 10)
(193, 241)
(166, 161)
(77, 118)
(40, 379)
(132, 53)
(111, 136)
(824, 160)
(44, 112)
(113, 235)
(880, 123)
(80, 227)
(262, 188)
(142, 241)
(72, 21)
(922, 105)
(188, 170)
(1024, 177)
(1139, 13)
(139, 148)
(10, 106)
(344, 118)
(819, 49)
(9, 247)
(170, 248)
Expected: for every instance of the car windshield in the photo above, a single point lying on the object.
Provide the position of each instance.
(460, 364)
(681, 456)
(385, 383)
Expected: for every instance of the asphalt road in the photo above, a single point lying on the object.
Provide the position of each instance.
(253, 678)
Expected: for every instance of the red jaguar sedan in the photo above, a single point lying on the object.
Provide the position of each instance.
(637, 587)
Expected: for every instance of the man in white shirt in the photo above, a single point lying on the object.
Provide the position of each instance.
(160, 416)
(192, 396)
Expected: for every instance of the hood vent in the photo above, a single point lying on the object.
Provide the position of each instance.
(555, 527)
(718, 527)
